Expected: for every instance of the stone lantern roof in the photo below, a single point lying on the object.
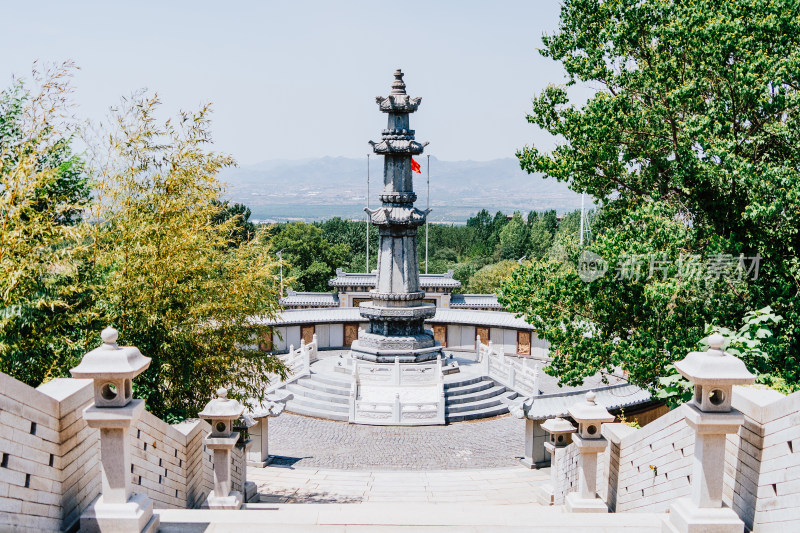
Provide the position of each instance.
(558, 425)
(590, 411)
(714, 367)
(222, 407)
(110, 361)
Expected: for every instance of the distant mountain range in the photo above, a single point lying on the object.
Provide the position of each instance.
(317, 189)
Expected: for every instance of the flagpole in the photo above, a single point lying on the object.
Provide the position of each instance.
(426, 217)
(583, 215)
(367, 270)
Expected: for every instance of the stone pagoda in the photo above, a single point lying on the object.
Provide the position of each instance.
(397, 312)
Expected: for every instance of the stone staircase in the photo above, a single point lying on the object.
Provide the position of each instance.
(327, 396)
(474, 398)
(321, 396)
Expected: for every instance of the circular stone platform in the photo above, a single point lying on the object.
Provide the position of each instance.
(305, 442)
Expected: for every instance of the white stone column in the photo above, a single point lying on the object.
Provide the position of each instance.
(113, 368)
(560, 432)
(586, 500)
(713, 374)
(589, 441)
(535, 442)
(221, 412)
(258, 452)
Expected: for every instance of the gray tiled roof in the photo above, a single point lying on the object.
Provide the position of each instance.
(495, 319)
(611, 397)
(361, 279)
(467, 301)
(319, 299)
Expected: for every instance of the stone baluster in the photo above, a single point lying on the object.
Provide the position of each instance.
(396, 372)
(710, 415)
(560, 432)
(590, 417)
(397, 408)
(113, 368)
(221, 412)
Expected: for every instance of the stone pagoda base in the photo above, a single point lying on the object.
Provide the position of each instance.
(389, 354)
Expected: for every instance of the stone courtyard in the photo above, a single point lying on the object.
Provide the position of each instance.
(305, 442)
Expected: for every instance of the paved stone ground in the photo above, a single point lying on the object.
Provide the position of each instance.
(305, 442)
(497, 486)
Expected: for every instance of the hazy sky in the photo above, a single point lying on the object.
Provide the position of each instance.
(298, 79)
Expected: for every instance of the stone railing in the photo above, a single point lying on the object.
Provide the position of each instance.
(50, 457)
(397, 394)
(507, 371)
(646, 470)
(298, 362)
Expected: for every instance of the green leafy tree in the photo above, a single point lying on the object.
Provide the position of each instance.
(488, 279)
(311, 258)
(540, 239)
(514, 238)
(697, 116)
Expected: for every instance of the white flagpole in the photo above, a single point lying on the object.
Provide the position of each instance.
(367, 270)
(426, 218)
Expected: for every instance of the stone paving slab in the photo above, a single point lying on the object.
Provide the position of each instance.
(404, 517)
(305, 442)
(493, 486)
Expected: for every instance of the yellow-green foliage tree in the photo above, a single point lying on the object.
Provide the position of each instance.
(136, 238)
(45, 289)
(176, 288)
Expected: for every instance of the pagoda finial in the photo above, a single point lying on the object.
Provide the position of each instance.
(398, 86)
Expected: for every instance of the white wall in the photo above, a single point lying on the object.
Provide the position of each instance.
(323, 335)
(510, 340)
(279, 339)
(336, 335)
(293, 336)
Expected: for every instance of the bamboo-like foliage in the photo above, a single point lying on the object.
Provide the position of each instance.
(42, 192)
(133, 237)
(176, 287)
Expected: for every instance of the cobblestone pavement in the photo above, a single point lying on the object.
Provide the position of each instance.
(304, 442)
(497, 486)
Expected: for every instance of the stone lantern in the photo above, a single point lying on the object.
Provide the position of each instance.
(112, 368)
(221, 412)
(560, 431)
(590, 416)
(713, 374)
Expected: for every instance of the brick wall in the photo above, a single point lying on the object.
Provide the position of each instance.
(762, 462)
(50, 458)
(567, 480)
(649, 467)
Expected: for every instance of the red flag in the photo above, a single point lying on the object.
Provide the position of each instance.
(415, 166)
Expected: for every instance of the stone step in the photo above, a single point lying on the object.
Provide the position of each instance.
(320, 386)
(300, 409)
(452, 409)
(469, 389)
(329, 379)
(487, 412)
(485, 394)
(300, 390)
(461, 383)
(322, 405)
(394, 517)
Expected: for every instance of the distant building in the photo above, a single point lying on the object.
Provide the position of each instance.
(353, 288)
